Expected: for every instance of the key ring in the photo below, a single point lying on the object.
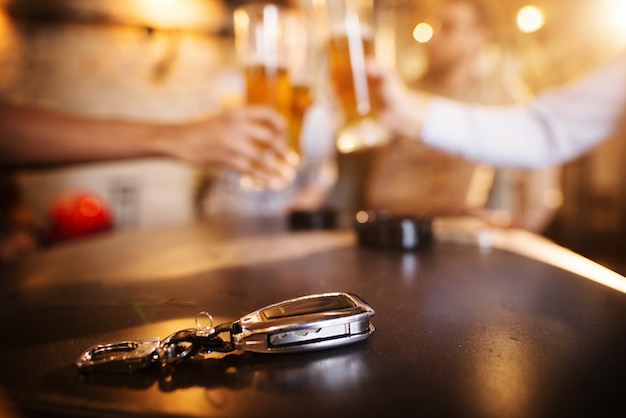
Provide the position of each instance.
(203, 339)
(204, 331)
(178, 346)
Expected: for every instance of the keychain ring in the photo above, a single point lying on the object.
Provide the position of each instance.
(204, 330)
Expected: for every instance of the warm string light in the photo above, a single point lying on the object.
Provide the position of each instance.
(423, 32)
(530, 19)
(203, 15)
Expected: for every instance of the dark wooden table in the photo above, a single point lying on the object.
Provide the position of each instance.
(461, 330)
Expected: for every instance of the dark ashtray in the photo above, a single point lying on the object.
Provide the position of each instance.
(385, 230)
(301, 220)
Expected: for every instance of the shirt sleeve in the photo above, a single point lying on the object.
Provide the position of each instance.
(557, 126)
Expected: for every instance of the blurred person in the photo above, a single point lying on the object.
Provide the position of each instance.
(557, 126)
(32, 137)
(410, 177)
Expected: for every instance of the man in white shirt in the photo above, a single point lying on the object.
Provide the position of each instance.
(464, 63)
(558, 126)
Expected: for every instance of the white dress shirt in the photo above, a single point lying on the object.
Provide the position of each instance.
(558, 126)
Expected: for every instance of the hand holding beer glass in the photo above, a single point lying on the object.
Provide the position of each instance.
(267, 40)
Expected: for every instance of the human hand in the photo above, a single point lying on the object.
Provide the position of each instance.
(249, 139)
(402, 110)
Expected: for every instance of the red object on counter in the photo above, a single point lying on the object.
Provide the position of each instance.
(78, 214)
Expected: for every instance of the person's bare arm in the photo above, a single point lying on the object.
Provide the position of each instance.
(248, 139)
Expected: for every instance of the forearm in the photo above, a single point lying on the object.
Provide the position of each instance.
(511, 136)
(502, 136)
(31, 136)
(557, 127)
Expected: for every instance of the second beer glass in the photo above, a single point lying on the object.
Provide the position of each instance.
(350, 45)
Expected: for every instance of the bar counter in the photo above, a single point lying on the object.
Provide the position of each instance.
(462, 330)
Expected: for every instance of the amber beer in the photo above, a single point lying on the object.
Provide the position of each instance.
(300, 101)
(347, 72)
(272, 87)
(269, 86)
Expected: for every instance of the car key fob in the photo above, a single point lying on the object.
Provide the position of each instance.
(306, 323)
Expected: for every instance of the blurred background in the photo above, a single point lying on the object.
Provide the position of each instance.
(172, 60)
(543, 44)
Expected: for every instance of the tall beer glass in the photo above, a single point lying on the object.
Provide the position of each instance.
(350, 45)
(301, 66)
(267, 40)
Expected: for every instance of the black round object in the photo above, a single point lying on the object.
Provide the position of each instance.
(324, 218)
(384, 230)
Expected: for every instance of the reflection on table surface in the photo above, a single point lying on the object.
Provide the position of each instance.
(465, 328)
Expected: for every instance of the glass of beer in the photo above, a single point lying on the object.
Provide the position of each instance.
(301, 66)
(269, 44)
(350, 45)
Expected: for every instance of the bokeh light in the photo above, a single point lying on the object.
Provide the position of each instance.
(617, 17)
(423, 32)
(530, 19)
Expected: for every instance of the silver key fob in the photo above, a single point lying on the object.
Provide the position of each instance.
(306, 323)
